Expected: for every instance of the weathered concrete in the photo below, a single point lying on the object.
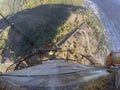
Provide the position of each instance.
(58, 75)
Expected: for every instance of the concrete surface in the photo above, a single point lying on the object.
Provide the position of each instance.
(58, 75)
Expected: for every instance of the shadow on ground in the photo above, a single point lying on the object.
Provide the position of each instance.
(33, 28)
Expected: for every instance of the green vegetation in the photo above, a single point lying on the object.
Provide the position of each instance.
(98, 31)
(50, 27)
(18, 5)
(3, 38)
(43, 23)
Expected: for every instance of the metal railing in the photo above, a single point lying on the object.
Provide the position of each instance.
(17, 63)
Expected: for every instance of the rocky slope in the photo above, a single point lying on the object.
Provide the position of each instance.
(47, 24)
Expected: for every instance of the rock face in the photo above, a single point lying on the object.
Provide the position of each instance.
(58, 75)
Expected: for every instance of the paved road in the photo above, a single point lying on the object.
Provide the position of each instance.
(110, 12)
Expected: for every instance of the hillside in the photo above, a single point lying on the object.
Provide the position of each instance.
(44, 25)
(13, 6)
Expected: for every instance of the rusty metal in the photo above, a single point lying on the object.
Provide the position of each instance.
(43, 51)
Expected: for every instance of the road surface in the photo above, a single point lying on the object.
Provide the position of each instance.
(110, 13)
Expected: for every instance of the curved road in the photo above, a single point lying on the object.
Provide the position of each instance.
(110, 14)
